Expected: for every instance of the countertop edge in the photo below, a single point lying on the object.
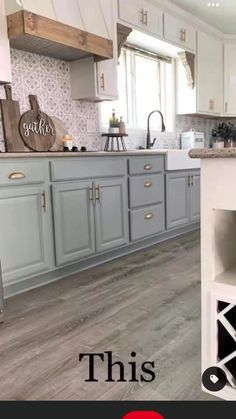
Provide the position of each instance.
(212, 153)
(62, 154)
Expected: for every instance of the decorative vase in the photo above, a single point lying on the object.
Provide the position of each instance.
(218, 144)
(113, 130)
(229, 143)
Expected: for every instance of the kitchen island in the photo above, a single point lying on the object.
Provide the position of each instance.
(61, 213)
(218, 263)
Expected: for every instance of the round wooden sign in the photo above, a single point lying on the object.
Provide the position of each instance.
(36, 128)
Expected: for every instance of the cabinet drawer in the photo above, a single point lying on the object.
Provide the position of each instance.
(179, 32)
(145, 190)
(23, 172)
(85, 168)
(146, 164)
(146, 222)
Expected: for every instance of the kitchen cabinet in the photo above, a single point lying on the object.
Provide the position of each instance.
(111, 214)
(179, 32)
(182, 198)
(25, 247)
(194, 199)
(209, 74)
(207, 95)
(5, 67)
(142, 14)
(89, 217)
(230, 79)
(73, 221)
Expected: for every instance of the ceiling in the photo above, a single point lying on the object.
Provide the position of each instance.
(222, 17)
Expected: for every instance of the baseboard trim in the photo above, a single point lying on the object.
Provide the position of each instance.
(26, 284)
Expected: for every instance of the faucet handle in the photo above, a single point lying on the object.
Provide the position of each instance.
(153, 142)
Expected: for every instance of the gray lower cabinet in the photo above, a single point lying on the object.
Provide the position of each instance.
(73, 221)
(195, 201)
(182, 198)
(111, 214)
(89, 217)
(25, 245)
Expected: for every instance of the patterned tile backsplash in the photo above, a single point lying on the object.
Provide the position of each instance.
(49, 79)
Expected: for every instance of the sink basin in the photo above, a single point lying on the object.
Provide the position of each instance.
(180, 160)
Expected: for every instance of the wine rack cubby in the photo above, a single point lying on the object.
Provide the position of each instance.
(226, 335)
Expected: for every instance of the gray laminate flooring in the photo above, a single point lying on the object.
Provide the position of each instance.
(148, 302)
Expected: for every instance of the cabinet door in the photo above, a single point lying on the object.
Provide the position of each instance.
(177, 199)
(230, 79)
(74, 222)
(107, 78)
(179, 32)
(194, 203)
(142, 14)
(111, 214)
(209, 74)
(5, 66)
(24, 223)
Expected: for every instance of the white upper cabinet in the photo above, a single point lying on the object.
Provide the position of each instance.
(143, 15)
(209, 74)
(5, 62)
(179, 32)
(230, 79)
(207, 95)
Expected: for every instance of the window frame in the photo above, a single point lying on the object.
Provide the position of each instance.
(131, 97)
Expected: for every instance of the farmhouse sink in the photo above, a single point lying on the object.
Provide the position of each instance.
(180, 160)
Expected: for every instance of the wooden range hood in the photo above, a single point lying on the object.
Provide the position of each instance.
(30, 32)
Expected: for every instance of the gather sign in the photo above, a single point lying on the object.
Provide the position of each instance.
(36, 128)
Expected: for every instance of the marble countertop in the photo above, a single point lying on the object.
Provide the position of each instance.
(83, 154)
(212, 153)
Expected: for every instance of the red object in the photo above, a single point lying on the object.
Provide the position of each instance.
(143, 415)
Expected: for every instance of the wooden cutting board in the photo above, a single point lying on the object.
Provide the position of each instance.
(10, 110)
(36, 128)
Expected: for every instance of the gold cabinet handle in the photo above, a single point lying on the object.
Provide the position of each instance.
(102, 84)
(142, 16)
(147, 167)
(193, 181)
(98, 193)
(44, 204)
(16, 175)
(145, 15)
(189, 180)
(149, 216)
(92, 191)
(148, 184)
(226, 107)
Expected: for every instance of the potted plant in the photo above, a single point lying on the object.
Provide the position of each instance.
(223, 135)
(217, 140)
(114, 123)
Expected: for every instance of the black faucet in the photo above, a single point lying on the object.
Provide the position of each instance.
(163, 128)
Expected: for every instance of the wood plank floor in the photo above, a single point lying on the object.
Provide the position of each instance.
(148, 302)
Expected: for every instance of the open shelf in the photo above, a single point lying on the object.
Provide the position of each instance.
(225, 247)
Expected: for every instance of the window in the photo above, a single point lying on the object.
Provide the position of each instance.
(145, 84)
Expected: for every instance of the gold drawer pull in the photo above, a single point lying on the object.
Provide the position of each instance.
(149, 216)
(148, 184)
(16, 175)
(147, 167)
